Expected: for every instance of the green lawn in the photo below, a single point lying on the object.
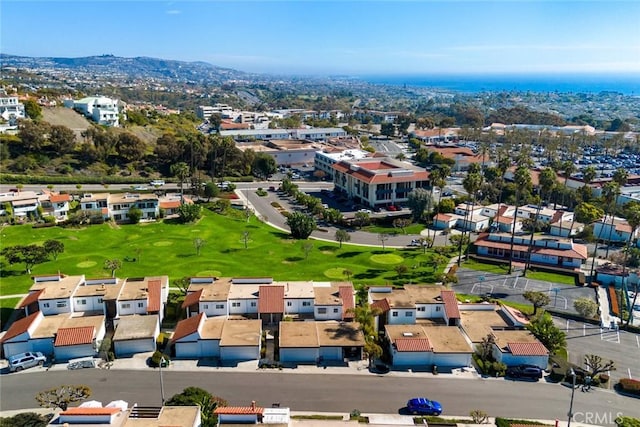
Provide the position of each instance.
(6, 308)
(566, 279)
(167, 249)
(483, 266)
(390, 229)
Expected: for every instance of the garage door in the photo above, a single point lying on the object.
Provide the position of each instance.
(299, 355)
(73, 352)
(130, 347)
(11, 349)
(454, 360)
(331, 353)
(229, 354)
(187, 350)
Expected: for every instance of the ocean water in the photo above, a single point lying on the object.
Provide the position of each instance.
(627, 84)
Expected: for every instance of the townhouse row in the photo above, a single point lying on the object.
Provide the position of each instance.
(30, 204)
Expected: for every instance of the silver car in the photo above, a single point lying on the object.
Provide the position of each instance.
(26, 360)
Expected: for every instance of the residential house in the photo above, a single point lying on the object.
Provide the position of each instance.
(614, 230)
(333, 301)
(170, 203)
(100, 109)
(20, 204)
(56, 205)
(553, 252)
(462, 156)
(470, 217)
(53, 294)
(143, 295)
(320, 341)
(11, 109)
(616, 275)
(136, 334)
(443, 221)
(116, 206)
(378, 182)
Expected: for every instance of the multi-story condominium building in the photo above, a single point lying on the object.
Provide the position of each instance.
(117, 206)
(11, 109)
(313, 134)
(325, 159)
(100, 109)
(27, 203)
(204, 111)
(378, 182)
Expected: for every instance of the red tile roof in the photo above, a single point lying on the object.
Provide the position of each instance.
(271, 299)
(450, 304)
(31, 298)
(382, 305)
(74, 336)
(378, 172)
(170, 204)
(346, 295)
(527, 349)
(187, 327)
(442, 217)
(154, 298)
(578, 251)
(238, 410)
(192, 298)
(91, 411)
(413, 344)
(19, 327)
(57, 198)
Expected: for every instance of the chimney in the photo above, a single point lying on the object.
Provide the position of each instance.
(253, 405)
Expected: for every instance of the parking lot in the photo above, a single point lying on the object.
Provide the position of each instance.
(512, 287)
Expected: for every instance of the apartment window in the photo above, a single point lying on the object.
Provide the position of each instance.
(322, 310)
(421, 309)
(45, 305)
(306, 303)
(206, 307)
(253, 304)
(219, 306)
(394, 314)
(140, 304)
(289, 303)
(335, 310)
(126, 305)
(408, 314)
(235, 304)
(100, 300)
(438, 308)
(61, 304)
(82, 302)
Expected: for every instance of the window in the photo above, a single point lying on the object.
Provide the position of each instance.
(100, 301)
(126, 305)
(235, 304)
(408, 314)
(322, 310)
(335, 310)
(289, 303)
(82, 302)
(219, 306)
(140, 304)
(253, 304)
(206, 307)
(45, 305)
(306, 303)
(61, 304)
(394, 314)
(421, 308)
(438, 308)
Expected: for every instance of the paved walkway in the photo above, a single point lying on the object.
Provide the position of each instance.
(606, 319)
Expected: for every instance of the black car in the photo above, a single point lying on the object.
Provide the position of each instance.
(380, 368)
(525, 371)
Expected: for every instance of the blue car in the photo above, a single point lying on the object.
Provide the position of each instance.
(424, 406)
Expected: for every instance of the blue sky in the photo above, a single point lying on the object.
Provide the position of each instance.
(338, 37)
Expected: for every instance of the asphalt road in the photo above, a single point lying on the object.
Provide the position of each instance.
(331, 393)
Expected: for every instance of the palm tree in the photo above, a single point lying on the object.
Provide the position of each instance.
(365, 315)
(181, 171)
(632, 213)
(522, 178)
(620, 177)
(471, 183)
(610, 194)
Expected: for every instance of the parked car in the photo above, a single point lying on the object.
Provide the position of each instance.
(26, 360)
(367, 211)
(525, 371)
(157, 182)
(424, 406)
(380, 368)
(392, 208)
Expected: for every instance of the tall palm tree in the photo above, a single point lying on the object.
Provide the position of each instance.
(632, 213)
(471, 183)
(365, 315)
(522, 178)
(620, 177)
(609, 194)
(181, 171)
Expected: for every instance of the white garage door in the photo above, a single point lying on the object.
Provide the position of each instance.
(11, 349)
(73, 352)
(229, 354)
(130, 347)
(187, 350)
(299, 355)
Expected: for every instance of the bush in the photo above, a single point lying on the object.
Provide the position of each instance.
(157, 357)
(629, 384)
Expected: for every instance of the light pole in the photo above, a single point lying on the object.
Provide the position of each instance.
(573, 390)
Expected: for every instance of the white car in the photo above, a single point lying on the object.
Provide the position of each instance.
(367, 211)
(26, 360)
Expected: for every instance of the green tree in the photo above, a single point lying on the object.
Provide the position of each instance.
(264, 165)
(113, 265)
(181, 171)
(30, 255)
(192, 396)
(189, 212)
(53, 247)
(306, 249)
(211, 190)
(134, 215)
(543, 328)
(25, 419)
(130, 148)
(342, 236)
(401, 223)
(623, 421)
(199, 243)
(361, 219)
(632, 214)
(32, 109)
(586, 307)
(62, 139)
(419, 200)
(366, 315)
(301, 225)
(538, 299)
(61, 397)
(383, 237)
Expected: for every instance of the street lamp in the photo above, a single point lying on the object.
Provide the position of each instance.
(573, 390)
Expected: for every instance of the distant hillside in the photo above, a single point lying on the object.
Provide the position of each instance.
(132, 67)
(66, 117)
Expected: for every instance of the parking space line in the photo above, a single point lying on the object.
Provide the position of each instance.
(473, 288)
(568, 325)
(638, 341)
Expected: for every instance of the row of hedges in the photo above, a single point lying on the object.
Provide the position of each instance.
(70, 179)
(630, 385)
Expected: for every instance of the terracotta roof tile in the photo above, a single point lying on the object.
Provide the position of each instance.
(192, 298)
(154, 302)
(442, 217)
(187, 327)
(382, 305)
(57, 198)
(271, 299)
(450, 304)
(74, 336)
(91, 411)
(238, 410)
(527, 349)
(19, 327)
(31, 298)
(346, 295)
(170, 204)
(413, 344)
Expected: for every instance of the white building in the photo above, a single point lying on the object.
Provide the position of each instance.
(325, 159)
(100, 109)
(11, 109)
